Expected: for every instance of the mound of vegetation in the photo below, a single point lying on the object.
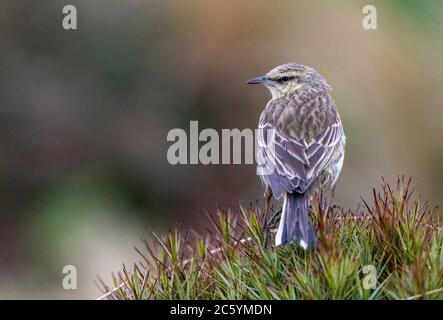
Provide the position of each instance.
(390, 249)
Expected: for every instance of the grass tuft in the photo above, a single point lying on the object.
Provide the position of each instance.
(390, 249)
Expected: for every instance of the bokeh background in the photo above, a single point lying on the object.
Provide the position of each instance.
(84, 116)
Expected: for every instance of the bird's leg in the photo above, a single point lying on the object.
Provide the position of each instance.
(268, 196)
(272, 222)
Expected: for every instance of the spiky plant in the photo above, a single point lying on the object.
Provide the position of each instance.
(390, 249)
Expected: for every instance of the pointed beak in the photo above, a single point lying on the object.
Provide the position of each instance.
(257, 80)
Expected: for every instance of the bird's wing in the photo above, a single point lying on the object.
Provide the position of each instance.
(291, 154)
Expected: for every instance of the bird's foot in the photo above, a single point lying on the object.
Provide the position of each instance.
(325, 206)
(336, 206)
(271, 224)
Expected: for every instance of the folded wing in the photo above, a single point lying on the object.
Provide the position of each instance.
(289, 163)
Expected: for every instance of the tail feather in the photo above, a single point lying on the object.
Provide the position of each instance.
(294, 222)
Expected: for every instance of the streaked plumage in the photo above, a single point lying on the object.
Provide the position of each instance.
(308, 141)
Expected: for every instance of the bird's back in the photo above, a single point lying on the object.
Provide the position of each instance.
(302, 116)
(307, 129)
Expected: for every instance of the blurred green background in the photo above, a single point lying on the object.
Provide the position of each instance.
(84, 116)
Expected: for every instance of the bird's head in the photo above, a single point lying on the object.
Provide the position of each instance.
(290, 78)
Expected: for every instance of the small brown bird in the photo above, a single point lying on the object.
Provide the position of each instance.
(304, 130)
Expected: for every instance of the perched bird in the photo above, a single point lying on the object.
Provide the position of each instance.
(301, 142)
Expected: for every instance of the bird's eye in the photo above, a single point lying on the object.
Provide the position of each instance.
(285, 79)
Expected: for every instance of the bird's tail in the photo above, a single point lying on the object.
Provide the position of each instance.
(294, 222)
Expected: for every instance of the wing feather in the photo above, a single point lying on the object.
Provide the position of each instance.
(289, 163)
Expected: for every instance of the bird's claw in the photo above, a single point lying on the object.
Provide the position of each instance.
(269, 225)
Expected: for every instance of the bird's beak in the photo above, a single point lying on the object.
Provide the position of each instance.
(257, 80)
